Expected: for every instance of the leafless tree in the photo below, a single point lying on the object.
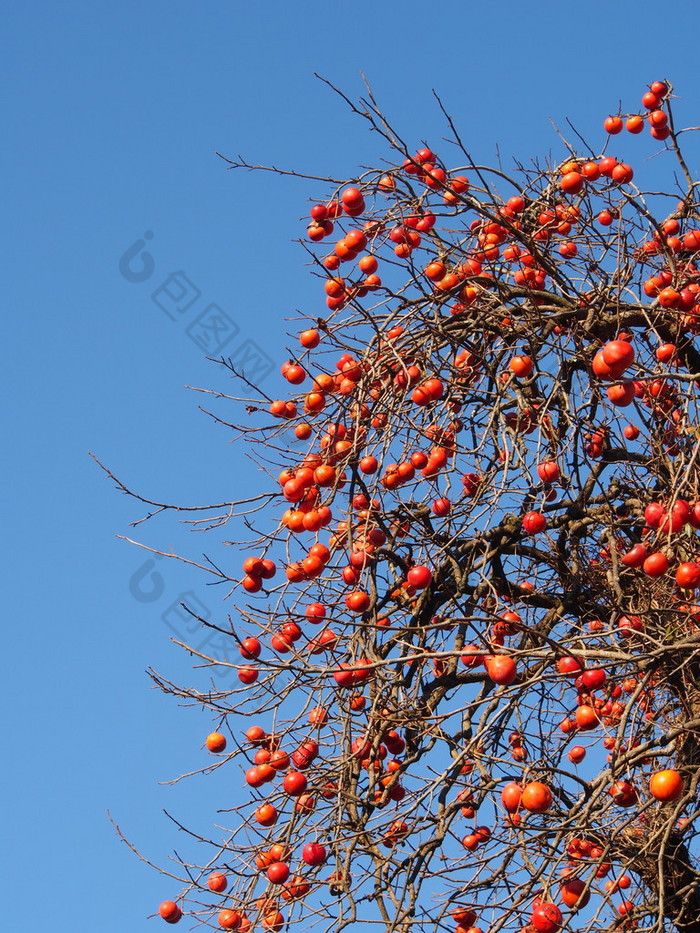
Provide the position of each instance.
(486, 532)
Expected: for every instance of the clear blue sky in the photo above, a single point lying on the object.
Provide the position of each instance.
(112, 115)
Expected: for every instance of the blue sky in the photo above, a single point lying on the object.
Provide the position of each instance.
(112, 117)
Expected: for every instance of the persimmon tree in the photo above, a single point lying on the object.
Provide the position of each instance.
(466, 646)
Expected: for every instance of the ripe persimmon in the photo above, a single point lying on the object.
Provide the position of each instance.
(666, 785)
(216, 742)
(536, 797)
(170, 912)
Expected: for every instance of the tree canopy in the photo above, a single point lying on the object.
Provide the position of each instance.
(464, 634)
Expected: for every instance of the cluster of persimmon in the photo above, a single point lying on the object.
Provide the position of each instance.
(656, 118)
(484, 511)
